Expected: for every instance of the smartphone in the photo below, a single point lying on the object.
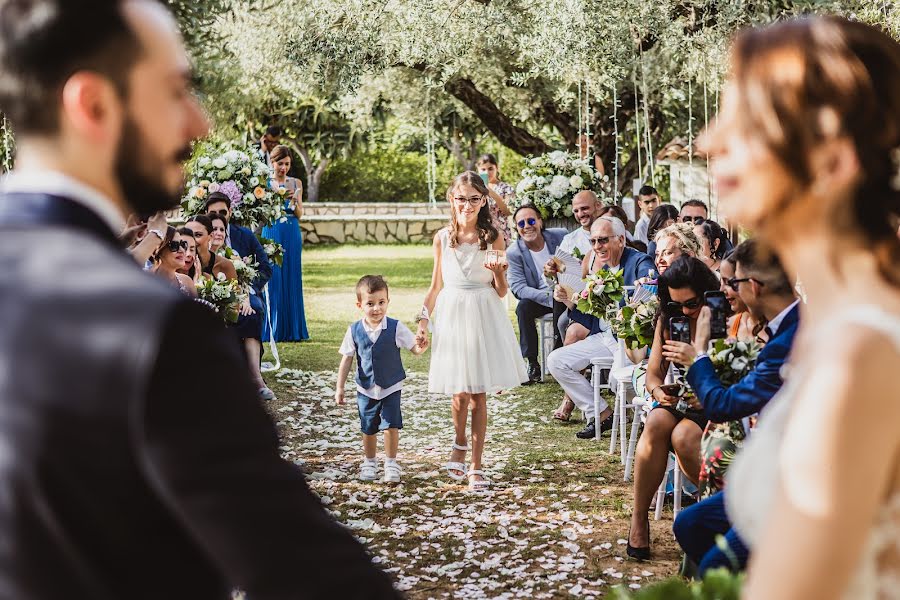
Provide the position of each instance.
(484, 178)
(671, 389)
(718, 307)
(680, 330)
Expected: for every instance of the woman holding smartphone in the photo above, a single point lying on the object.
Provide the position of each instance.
(499, 195)
(681, 290)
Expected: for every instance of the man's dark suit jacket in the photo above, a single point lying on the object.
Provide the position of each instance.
(244, 242)
(749, 395)
(135, 459)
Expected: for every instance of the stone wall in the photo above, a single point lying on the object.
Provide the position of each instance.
(370, 229)
(375, 208)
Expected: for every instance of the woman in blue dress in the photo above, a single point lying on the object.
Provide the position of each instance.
(286, 285)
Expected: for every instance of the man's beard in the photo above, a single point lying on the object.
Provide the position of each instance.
(139, 176)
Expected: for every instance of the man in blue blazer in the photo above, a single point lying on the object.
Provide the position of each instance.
(567, 363)
(250, 323)
(766, 290)
(527, 257)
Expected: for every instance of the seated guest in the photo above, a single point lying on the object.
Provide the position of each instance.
(713, 243)
(249, 325)
(209, 262)
(681, 289)
(567, 363)
(218, 233)
(169, 257)
(527, 257)
(647, 201)
(693, 212)
(765, 288)
(663, 216)
(146, 237)
(190, 267)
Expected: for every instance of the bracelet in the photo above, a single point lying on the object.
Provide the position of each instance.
(158, 233)
(654, 390)
(422, 315)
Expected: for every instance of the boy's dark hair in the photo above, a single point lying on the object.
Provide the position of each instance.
(370, 284)
(216, 197)
(274, 130)
(647, 190)
(763, 266)
(44, 42)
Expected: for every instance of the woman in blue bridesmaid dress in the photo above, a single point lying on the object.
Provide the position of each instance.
(286, 285)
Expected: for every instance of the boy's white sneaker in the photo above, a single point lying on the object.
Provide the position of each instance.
(368, 471)
(391, 472)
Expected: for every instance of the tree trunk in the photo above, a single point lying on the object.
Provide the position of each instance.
(315, 180)
(507, 133)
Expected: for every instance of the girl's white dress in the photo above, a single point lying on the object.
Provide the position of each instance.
(474, 349)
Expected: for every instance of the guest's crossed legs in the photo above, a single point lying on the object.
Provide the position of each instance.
(662, 431)
(527, 313)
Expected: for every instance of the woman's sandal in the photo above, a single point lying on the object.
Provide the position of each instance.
(452, 467)
(562, 414)
(639, 554)
(480, 485)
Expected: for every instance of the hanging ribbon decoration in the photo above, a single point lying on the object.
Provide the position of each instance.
(650, 164)
(431, 166)
(637, 124)
(690, 145)
(615, 117)
(272, 347)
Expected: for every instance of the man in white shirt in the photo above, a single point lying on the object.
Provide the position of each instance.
(647, 200)
(585, 208)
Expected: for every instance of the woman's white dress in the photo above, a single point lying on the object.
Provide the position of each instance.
(474, 349)
(754, 476)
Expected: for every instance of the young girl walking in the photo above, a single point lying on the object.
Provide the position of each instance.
(474, 351)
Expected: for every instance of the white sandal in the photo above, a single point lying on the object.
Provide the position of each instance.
(480, 485)
(457, 466)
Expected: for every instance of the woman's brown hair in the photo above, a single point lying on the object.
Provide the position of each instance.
(802, 82)
(164, 243)
(487, 233)
(280, 152)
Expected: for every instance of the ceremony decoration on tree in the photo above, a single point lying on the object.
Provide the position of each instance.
(240, 176)
(603, 290)
(223, 294)
(550, 181)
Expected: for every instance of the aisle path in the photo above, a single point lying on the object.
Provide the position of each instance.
(553, 526)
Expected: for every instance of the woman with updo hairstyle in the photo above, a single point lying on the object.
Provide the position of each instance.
(810, 131)
(713, 243)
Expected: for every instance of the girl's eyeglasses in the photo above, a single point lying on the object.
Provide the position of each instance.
(473, 201)
(523, 222)
(690, 304)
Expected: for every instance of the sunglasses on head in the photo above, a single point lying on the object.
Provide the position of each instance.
(734, 283)
(695, 220)
(176, 245)
(221, 213)
(690, 304)
(530, 221)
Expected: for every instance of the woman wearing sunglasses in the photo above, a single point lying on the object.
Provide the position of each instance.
(169, 257)
(202, 227)
(681, 289)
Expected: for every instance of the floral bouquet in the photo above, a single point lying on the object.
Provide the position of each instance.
(223, 294)
(240, 176)
(246, 268)
(635, 323)
(550, 181)
(603, 290)
(733, 360)
(273, 249)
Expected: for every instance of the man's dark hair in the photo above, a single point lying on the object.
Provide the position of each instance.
(647, 190)
(763, 266)
(529, 206)
(216, 197)
(697, 203)
(44, 42)
(274, 130)
(370, 284)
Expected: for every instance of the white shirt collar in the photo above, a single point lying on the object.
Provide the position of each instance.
(60, 184)
(368, 329)
(775, 323)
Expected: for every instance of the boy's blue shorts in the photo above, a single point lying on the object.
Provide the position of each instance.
(378, 415)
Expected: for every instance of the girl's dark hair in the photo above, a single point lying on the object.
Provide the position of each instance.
(487, 233)
(488, 159)
(712, 231)
(661, 214)
(203, 220)
(685, 272)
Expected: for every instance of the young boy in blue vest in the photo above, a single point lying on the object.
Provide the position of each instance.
(375, 341)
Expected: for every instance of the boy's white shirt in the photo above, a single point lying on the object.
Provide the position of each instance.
(404, 339)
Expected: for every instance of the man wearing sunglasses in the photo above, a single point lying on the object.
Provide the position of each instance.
(693, 212)
(527, 257)
(567, 363)
(766, 290)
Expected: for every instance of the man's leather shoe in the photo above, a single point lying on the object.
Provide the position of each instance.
(534, 372)
(590, 431)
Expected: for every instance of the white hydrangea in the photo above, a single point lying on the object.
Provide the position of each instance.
(220, 162)
(576, 182)
(559, 186)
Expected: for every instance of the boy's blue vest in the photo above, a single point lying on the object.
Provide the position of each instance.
(379, 363)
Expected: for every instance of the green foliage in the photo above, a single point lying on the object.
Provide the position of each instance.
(718, 584)
(383, 173)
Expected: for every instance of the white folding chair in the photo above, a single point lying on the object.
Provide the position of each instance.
(638, 403)
(622, 375)
(598, 365)
(671, 466)
(545, 340)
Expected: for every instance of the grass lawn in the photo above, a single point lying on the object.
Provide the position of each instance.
(553, 525)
